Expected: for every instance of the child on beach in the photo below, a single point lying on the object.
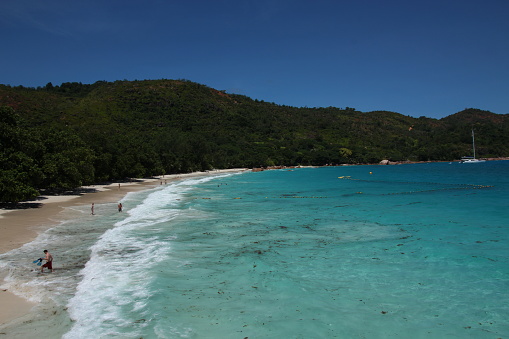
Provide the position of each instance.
(49, 261)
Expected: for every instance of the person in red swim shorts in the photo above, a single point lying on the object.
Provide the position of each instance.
(49, 261)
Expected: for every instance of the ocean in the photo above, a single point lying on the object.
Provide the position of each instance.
(405, 251)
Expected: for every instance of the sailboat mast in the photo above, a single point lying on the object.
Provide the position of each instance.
(473, 142)
(471, 160)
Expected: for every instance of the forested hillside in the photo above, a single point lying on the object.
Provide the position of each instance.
(62, 137)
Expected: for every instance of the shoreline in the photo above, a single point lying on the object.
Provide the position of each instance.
(381, 163)
(20, 226)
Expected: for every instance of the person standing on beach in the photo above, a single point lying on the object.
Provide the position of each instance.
(49, 261)
(92, 209)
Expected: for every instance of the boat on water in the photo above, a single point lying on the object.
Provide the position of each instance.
(470, 160)
(473, 159)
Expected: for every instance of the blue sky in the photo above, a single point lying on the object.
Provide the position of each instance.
(420, 58)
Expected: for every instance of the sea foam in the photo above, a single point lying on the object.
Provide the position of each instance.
(115, 286)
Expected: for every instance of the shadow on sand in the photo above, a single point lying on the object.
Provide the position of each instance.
(34, 203)
(37, 201)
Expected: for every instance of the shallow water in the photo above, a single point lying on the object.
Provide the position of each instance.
(340, 252)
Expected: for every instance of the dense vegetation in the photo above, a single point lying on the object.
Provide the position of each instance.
(62, 137)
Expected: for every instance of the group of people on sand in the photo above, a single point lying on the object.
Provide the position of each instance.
(119, 208)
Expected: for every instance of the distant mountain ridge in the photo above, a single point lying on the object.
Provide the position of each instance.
(140, 128)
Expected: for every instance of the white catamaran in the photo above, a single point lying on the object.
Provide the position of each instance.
(471, 160)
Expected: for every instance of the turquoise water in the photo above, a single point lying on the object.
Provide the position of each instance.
(403, 251)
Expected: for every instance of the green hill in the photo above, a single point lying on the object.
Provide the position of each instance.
(61, 137)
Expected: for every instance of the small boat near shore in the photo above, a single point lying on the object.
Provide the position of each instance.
(472, 159)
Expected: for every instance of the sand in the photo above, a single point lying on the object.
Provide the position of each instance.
(21, 226)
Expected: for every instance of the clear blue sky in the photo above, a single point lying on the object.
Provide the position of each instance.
(427, 57)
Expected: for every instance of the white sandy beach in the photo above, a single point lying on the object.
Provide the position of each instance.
(21, 226)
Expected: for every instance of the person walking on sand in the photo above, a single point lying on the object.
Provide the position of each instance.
(49, 261)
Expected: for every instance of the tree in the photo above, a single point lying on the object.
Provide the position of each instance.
(16, 167)
(67, 163)
(345, 153)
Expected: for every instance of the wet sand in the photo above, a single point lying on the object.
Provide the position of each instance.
(21, 226)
